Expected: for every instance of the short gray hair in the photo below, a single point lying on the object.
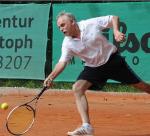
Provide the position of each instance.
(63, 13)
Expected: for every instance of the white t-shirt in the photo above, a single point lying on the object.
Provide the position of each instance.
(92, 47)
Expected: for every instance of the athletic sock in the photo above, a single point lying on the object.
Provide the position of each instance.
(86, 125)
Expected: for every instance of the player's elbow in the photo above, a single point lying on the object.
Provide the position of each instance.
(115, 17)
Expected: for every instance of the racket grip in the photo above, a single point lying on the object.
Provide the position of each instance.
(42, 91)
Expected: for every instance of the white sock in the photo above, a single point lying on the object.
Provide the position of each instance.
(86, 125)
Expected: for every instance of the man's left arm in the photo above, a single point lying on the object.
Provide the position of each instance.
(119, 36)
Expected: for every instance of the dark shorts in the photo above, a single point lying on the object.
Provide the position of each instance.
(115, 69)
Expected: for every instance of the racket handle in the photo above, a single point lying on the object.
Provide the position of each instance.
(42, 91)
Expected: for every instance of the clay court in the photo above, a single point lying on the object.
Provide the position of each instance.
(112, 114)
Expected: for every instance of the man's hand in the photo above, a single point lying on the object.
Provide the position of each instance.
(48, 82)
(59, 67)
(119, 37)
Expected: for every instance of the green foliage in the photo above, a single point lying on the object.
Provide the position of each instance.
(110, 87)
(21, 83)
(62, 85)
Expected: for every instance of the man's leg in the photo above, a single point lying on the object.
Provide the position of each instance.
(142, 86)
(79, 89)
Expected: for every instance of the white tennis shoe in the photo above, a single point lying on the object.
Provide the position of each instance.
(82, 131)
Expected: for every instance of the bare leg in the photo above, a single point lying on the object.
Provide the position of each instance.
(86, 128)
(80, 88)
(142, 86)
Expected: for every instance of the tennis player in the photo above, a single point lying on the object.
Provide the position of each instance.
(102, 60)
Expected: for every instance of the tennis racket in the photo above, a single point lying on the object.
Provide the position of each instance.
(21, 118)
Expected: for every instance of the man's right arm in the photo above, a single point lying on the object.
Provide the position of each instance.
(119, 36)
(59, 67)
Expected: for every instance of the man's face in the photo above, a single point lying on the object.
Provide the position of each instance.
(65, 25)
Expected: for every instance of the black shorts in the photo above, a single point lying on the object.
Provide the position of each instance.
(115, 69)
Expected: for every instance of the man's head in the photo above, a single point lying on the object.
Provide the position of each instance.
(66, 23)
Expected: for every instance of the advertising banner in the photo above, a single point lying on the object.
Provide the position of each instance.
(23, 40)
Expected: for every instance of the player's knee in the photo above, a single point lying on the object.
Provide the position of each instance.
(78, 89)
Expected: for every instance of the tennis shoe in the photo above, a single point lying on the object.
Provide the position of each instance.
(82, 131)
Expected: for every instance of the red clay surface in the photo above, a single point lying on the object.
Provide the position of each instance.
(112, 114)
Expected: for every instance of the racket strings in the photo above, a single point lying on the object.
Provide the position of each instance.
(20, 119)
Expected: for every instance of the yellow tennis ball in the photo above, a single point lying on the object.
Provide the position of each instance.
(4, 106)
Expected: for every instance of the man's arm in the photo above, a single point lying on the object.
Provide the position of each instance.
(119, 36)
(59, 67)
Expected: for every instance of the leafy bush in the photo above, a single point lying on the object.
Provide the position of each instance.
(109, 87)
